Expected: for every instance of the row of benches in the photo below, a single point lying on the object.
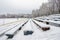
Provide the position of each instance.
(7, 28)
(50, 22)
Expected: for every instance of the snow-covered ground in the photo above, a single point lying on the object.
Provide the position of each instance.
(38, 34)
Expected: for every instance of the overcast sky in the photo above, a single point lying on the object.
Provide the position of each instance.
(19, 6)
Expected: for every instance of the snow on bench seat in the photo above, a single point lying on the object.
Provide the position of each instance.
(13, 31)
(5, 29)
(44, 21)
(39, 20)
(43, 26)
(27, 26)
(27, 29)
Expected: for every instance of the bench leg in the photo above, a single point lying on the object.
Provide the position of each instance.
(9, 36)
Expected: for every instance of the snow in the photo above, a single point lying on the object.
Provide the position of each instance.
(27, 26)
(38, 34)
(41, 24)
(52, 19)
(12, 31)
(5, 20)
(5, 28)
(11, 24)
(3, 37)
(52, 34)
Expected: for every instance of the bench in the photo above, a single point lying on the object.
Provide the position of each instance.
(38, 20)
(43, 26)
(2, 31)
(27, 32)
(27, 29)
(13, 31)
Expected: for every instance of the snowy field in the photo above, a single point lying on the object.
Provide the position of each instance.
(7, 20)
(8, 26)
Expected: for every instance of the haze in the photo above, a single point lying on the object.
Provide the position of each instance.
(19, 6)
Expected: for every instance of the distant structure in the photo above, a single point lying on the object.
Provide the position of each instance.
(8, 15)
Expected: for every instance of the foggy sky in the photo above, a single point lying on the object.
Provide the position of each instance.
(19, 6)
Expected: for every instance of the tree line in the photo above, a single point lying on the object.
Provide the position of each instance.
(52, 7)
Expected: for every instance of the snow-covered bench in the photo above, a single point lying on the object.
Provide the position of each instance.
(27, 29)
(44, 21)
(13, 31)
(43, 26)
(38, 20)
(5, 29)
